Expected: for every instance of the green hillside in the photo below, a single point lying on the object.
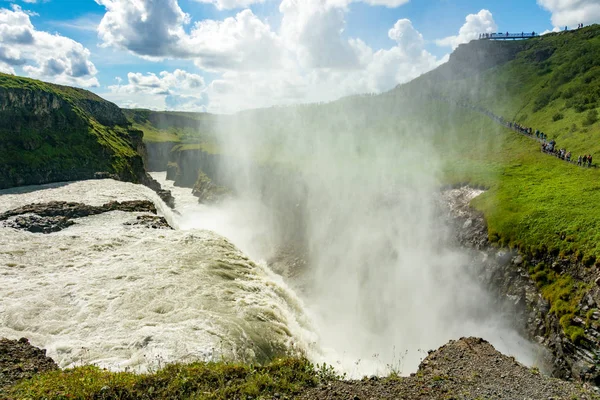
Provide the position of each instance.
(51, 133)
(534, 199)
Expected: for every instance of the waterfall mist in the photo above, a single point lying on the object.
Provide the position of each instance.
(355, 199)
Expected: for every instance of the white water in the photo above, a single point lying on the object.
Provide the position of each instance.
(412, 292)
(131, 297)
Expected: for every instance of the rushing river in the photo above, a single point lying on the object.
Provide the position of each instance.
(130, 297)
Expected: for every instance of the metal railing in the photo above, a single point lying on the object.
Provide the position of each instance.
(507, 35)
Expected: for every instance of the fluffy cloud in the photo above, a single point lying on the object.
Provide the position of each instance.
(240, 42)
(381, 70)
(572, 12)
(475, 24)
(229, 4)
(41, 54)
(144, 27)
(173, 90)
(162, 84)
(155, 30)
(312, 29)
(307, 59)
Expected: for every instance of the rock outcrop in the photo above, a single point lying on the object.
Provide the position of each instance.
(469, 368)
(20, 360)
(58, 215)
(52, 133)
(507, 273)
(158, 155)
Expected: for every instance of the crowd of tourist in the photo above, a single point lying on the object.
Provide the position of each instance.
(548, 147)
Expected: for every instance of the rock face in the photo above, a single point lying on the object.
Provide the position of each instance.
(469, 368)
(57, 215)
(507, 274)
(150, 221)
(185, 164)
(20, 360)
(158, 155)
(52, 133)
(206, 191)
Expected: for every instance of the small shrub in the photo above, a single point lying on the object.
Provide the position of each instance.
(568, 93)
(557, 117)
(542, 100)
(589, 260)
(591, 117)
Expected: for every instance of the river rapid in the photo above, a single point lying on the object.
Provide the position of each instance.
(130, 297)
(127, 297)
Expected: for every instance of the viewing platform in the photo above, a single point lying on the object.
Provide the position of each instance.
(508, 36)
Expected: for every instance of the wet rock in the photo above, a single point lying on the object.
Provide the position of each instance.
(518, 260)
(36, 224)
(165, 195)
(150, 221)
(57, 215)
(106, 175)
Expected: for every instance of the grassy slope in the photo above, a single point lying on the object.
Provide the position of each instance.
(535, 202)
(533, 199)
(172, 126)
(218, 380)
(69, 139)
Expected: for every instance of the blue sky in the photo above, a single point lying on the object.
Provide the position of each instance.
(225, 55)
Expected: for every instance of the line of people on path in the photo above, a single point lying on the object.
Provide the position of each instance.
(548, 147)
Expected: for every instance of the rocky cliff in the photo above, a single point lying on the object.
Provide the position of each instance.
(51, 133)
(573, 340)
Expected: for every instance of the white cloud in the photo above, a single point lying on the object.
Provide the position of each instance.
(229, 4)
(312, 29)
(572, 12)
(387, 3)
(172, 90)
(240, 42)
(40, 54)
(155, 30)
(144, 27)
(475, 24)
(307, 59)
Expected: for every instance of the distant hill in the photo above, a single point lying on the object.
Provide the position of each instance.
(51, 133)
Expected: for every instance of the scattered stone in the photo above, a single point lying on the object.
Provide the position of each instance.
(468, 368)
